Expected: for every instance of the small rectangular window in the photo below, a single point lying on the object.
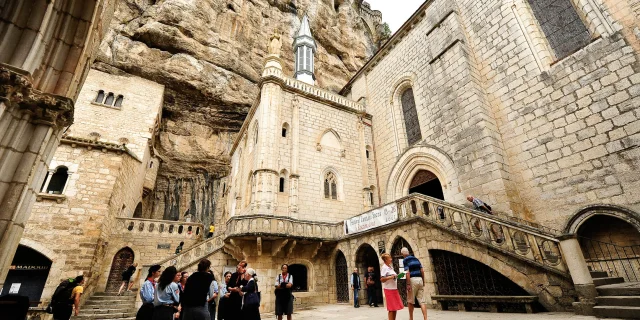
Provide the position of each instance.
(371, 197)
(281, 185)
(367, 151)
(284, 132)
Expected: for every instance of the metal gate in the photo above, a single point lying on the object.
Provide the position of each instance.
(121, 261)
(342, 278)
(459, 275)
(396, 254)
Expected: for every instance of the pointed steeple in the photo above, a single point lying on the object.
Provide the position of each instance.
(304, 48)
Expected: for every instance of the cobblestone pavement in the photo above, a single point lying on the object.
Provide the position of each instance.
(366, 313)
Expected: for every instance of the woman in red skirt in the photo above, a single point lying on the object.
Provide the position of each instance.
(388, 277)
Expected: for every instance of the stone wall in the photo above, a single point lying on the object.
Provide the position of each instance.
(131, 124)
(501, 118)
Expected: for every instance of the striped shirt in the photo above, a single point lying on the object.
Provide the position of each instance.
(413, 266)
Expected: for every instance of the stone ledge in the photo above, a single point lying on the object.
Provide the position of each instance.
(59, 198)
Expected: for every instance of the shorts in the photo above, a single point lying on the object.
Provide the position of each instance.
(417, 291)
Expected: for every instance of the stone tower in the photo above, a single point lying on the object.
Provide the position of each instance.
(304, 47)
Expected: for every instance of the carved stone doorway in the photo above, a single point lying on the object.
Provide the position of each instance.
(396, 254)
(121, 261)
(366, 256)
(342, 278)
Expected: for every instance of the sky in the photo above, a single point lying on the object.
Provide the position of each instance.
(395, 12)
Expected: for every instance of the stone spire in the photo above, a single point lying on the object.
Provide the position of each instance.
(304, 48)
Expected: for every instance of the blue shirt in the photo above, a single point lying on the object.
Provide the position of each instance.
(146, 292)
(169, 295)
(212, 289)
(413, 265)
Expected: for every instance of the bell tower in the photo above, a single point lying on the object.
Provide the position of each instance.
(304, 48)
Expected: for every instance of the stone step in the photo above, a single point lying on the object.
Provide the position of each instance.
(97, 318)
(621, 289)
(112, 298)
(106, 304)
(115, 315)
(115, 309)
(624, 301)
(114, 294)
(608, 280)
(599, 274)
(616, 312)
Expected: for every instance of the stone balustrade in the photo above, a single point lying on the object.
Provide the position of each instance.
(283, 226)
(519, 240)
(159, 228)
(522, 241)
(195, 253)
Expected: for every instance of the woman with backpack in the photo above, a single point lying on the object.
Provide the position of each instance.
(284, 298)
(66, 297)
(126, 278)
(167, 297)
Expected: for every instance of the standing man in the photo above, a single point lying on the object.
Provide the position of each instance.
(370, 283)
(233, 308)
(415, 282)
(212, 229)
(284, 298)
(355, 285)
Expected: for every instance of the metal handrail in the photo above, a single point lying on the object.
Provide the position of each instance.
(612, 258)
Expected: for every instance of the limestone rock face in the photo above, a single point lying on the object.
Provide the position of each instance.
(209, 55)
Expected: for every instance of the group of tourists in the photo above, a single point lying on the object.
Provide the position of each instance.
(168, 294)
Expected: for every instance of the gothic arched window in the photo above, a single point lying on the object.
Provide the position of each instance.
(330, 186)
(100, 97)
(109, 100)
(119, 101)
(411, 121)
(58, 181)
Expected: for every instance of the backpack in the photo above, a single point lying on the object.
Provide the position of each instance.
(63, 292)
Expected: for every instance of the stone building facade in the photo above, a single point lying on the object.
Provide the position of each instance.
(536, 116)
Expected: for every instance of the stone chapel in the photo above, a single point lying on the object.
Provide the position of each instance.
(531, 106)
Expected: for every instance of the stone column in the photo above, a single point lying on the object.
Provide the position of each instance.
(31, 124)
(295, 156)
(580, 274)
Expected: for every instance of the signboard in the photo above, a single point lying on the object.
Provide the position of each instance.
(27, 268)
(381, 246)
(372, 219)
(164, 246)
(15, 287)
(401, 269)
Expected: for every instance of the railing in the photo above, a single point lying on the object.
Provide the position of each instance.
(518, 240)
(159, 228)
(274, 225)
(193, 254)
(617, 261)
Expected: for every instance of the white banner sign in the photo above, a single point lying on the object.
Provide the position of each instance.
(372, 219)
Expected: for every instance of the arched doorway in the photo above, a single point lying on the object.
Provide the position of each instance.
(427, 183)
(612, 245)
(396, 254)
(459, 275)
(299, 274)
(121, 261)
(342, 278)
(27, 274)
(366, 257)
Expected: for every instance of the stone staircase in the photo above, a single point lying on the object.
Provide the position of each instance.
(616, 298)
(103, 306)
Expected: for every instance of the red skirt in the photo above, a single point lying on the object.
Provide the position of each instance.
(394, 303)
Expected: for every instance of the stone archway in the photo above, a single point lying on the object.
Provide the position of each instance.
(427, 183)
(30, 269)
(456, 274)
(121, 261)
(366, 257)
(415, 163)
(342, 277)
(396, 254)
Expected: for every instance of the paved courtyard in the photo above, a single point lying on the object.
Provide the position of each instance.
(366, 313)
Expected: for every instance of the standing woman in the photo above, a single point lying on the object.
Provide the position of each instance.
(147, 294)
(389, 280)
(214, 290)
(224, 295)
(126, 278)
(250, 299)
(167, 295)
